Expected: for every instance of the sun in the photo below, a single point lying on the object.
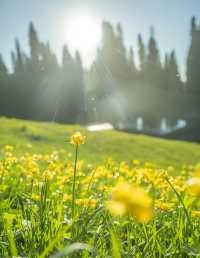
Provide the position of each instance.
(82, 32)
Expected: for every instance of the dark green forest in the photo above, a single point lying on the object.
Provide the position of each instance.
(114, 89)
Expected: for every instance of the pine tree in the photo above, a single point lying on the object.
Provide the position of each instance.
(165, 74)
(71, 100)
(48, 62)
(34, 44)
(80, 91)
(35, 75)
(153, 59)
(112, 55)
(120, 43)
(131, 64)
(121, 61)
(66, 59)
(193, 59)
(151, 78)
(3, 68)
(153, 65)
(4, 88)
(47, 88)
(141, 52)
(13, 60)
(19, 65)
(174, 75)
(107, 54)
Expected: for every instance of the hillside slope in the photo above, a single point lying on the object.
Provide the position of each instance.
(40, 137)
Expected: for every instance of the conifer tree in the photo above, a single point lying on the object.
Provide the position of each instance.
(131, 64)
(107, 54)
(193, 59)
(34, 44)
(71, 108)
(141, 52)
(174, 75)
(19, 65)
(80, 90)
(119, 41)
(153, 59)
(13, 60)
(112, 55)
(35, 74)
(171, 76)
(66, 58)
(165, 75)
(3, 68)
(153, 64)
(4, 88)
(64, 92)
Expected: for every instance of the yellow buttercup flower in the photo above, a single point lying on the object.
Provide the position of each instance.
(35, 197)
(77, 139)
(67, 197)
(194, 186)
(164, 206)
(87, 202)
(127, 199)
(8, 148)
(136, 162)
(196, 214)
(197, 170)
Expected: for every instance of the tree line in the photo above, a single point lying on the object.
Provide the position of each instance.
(39, 88)
(114, 89)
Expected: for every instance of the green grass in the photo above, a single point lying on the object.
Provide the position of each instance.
(44, 213)
(46, 137)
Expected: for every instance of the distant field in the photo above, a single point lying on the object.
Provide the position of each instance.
(40, 137)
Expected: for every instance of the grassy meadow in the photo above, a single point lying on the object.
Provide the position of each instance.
(100, 194)
(40, 137)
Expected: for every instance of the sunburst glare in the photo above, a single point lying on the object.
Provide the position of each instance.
(82, 31)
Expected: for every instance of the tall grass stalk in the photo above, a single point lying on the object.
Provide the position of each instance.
(74, 188)
(181, 202)
(8, 226)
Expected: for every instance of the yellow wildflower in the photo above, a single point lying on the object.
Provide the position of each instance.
(196, 214)
(136, 162)
(8, 148)
(164, 206)
(67, 197)
(197, 170)
(148, 164)
(77, 139)
(127, 199)
(87, 202)
(194, 186)
(35, 197)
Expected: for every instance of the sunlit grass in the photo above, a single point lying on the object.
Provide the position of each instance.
(40, 137)
(38, 217)
(59, 204)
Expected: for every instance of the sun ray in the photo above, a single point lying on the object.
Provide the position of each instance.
(82, 32)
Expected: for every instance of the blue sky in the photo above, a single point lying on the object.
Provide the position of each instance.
(171, 19)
